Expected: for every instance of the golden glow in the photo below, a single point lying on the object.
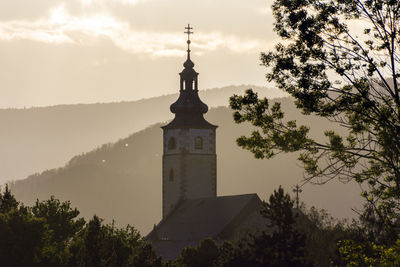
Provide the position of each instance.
(124, 2)
(70, 51)
(61, 27)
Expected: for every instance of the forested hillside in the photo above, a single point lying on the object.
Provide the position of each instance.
(36, 139)
(122, 180)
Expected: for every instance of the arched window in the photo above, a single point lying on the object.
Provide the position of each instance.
(171, 143)
(171, 175)
(198, 143)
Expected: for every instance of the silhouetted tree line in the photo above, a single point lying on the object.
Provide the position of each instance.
(51, 234)
(300, 238)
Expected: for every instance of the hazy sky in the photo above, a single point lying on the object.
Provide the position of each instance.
(83, 51)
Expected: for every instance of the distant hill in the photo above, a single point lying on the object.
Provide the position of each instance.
(36, 139)
(122, 181)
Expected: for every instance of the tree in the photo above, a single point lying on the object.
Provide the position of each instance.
(368, 254)
(22, 236)
(285, 246)
(7, 201)
(51, 234)
(323, 233)
(60, 217)
(340, 61)
(206, 254)
(37, 236)
(62, 222)
(104, 245)
(236, 254)
(280, 244)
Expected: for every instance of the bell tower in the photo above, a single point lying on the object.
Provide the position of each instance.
(189, 167)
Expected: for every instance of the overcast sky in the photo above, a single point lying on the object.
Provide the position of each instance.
(85, 51)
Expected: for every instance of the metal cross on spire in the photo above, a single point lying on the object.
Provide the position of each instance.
(188, 32)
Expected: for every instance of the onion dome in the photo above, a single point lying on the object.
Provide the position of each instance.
(189, 109)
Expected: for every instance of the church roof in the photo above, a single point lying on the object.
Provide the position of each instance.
(189, 120)
(196, 219)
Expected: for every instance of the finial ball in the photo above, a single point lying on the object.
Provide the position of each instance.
(188, 42)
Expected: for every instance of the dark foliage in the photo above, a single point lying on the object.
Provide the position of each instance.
(285, 246)
(51, 234)
(281, 244)
(350, 76)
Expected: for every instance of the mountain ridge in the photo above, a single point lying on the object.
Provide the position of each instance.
(122, 180)
(36, 139)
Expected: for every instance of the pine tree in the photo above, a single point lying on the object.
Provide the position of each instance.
(281, 244)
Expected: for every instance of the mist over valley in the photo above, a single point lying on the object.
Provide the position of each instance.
(122, 180)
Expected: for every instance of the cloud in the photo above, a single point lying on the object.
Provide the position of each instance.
(26, 9)
(62, 27)
(105, 2)
(69, 51)
(265, 10)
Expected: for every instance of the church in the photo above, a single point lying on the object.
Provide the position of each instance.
(191, 209)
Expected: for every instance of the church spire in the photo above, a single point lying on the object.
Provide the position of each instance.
(188, 75)
(189, 155)
(188, 32)
(189, 109)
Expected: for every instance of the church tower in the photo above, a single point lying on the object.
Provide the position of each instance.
(189, 155)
